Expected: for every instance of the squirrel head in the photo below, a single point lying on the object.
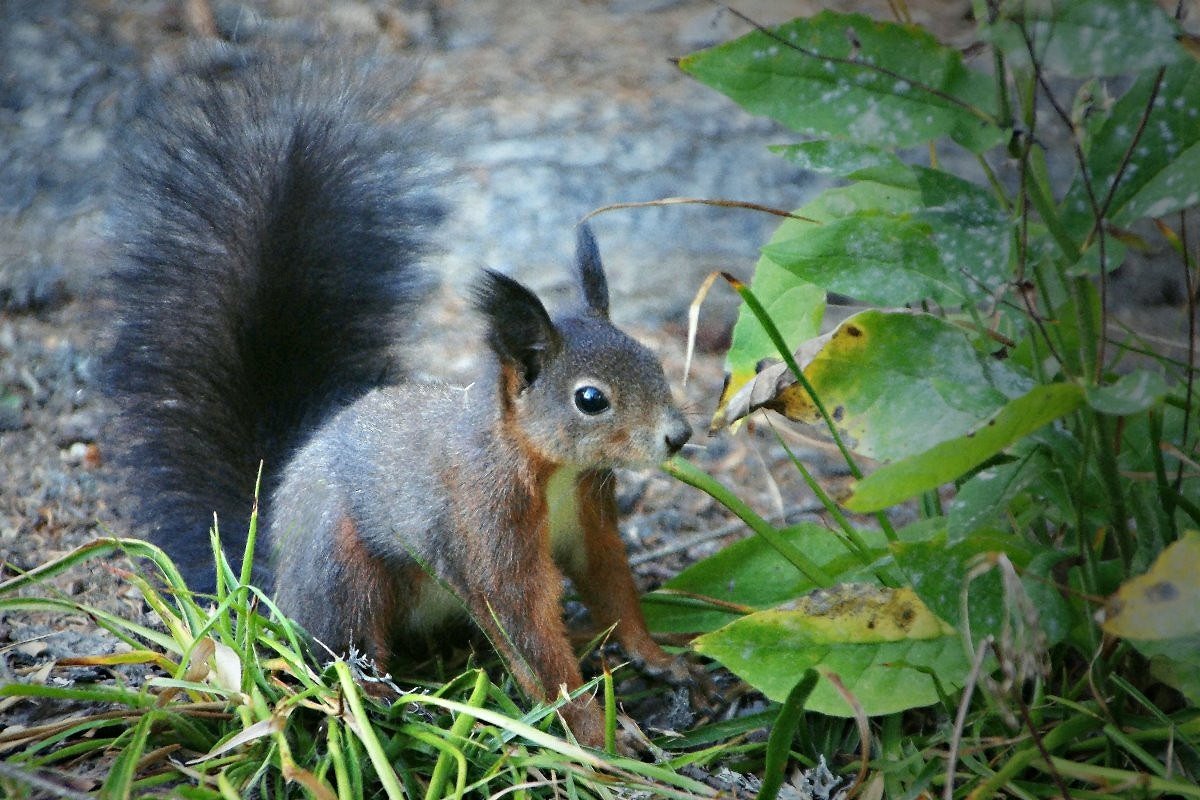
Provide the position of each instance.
(578, 390)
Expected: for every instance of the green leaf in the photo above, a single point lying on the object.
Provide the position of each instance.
(1086, 38)
(123, 771)
(779, 743)
(971, 231)
(1163, 172)
(883, 644)
(1034, 484)
(847, 159)
(847, 76)
(1175, 662)
(879, 259)
(940, 571)
(896, 382)
(926, 235)
(1134, 393)
(953, 458)
(752, 573)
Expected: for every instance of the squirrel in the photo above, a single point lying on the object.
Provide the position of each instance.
(271, 224)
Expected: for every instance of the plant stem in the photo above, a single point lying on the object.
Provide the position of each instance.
(1191, 285)
(1067, 731)
(1043, 202)
(694, 476)
(772, 332)
(1106, 456)
(830, 506)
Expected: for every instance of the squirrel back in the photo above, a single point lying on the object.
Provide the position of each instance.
(270, 220)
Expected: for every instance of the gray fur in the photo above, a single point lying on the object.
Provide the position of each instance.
(423, 468)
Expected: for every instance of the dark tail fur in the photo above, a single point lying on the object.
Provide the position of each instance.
(269, 220)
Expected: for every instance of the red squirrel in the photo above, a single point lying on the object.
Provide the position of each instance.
(271, 222)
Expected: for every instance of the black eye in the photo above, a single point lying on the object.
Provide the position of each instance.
(590, 400)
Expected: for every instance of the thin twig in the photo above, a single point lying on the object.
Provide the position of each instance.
(864, 733)
(1086, 178)
(700, 201)
(1041, 747)
(960, 719)
(1025, 201)
(1128, 156)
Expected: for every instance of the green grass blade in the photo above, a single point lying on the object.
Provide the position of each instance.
(780, 741)
(459, 730)
(361, 725)
(119, 783)
(693, 476)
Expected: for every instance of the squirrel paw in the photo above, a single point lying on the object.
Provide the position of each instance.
(681, 673)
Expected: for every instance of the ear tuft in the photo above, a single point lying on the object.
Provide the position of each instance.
(519, 329)
(591, 271)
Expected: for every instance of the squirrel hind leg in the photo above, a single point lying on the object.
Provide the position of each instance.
(340, 592)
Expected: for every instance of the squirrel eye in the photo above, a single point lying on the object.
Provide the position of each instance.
(590, 400)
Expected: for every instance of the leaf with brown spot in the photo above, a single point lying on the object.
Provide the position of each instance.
(898, 382)
(882, 643)
(1163, 603)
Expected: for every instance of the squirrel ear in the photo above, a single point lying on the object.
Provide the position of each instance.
(519, 329)
(591, 271)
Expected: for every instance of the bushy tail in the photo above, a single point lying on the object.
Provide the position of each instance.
(269, 220)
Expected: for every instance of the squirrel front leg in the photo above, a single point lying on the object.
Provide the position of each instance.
(520, 610)
(604, 581)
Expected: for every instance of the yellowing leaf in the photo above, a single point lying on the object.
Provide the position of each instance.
(863, 612)
(894, 382)
(773, 387)
(1163, 603)
(795, 307)
(884, 645)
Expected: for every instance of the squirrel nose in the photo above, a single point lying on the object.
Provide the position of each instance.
(678, 435)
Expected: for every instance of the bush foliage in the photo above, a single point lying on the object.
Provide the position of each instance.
(979, 211)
